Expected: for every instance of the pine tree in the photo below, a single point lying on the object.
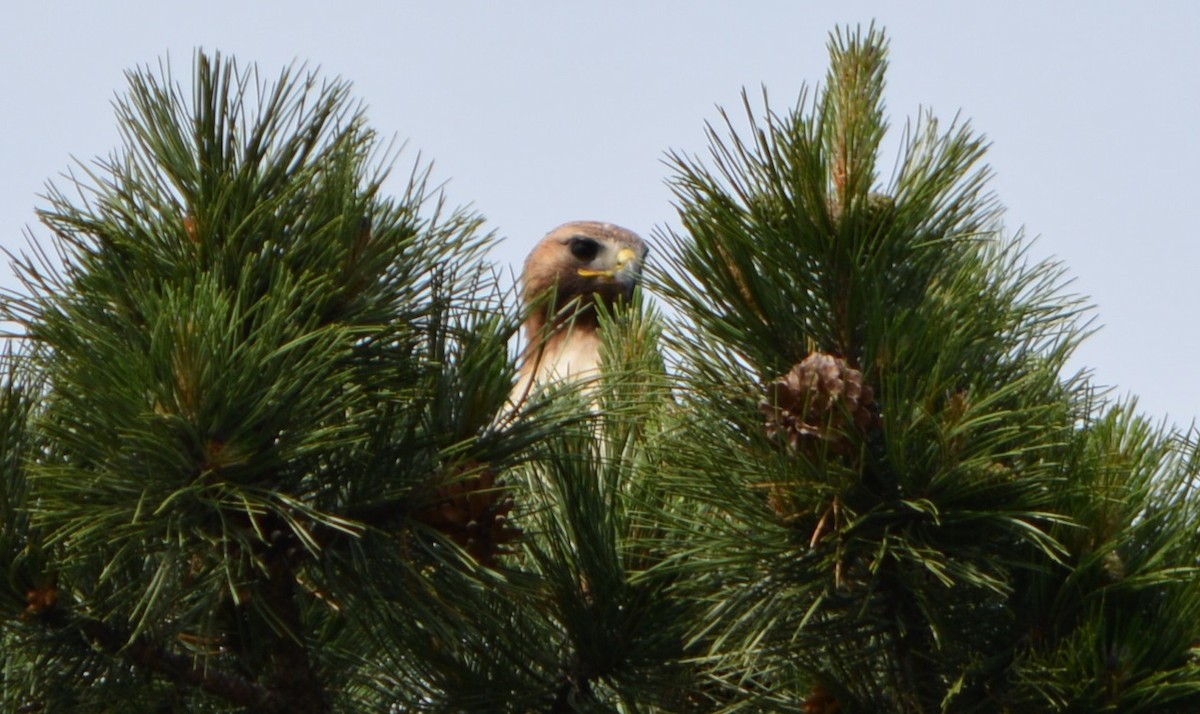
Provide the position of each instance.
(902, 504)
(257, 451)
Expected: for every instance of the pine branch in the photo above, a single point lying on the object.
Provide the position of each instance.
(183, 669)
(293, 675)
(295, 685)
(853, 119)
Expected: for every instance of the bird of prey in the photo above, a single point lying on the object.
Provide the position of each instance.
(574, 267)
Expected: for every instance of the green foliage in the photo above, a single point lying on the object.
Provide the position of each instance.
(257, 451)
(896, 574)
(248, 354)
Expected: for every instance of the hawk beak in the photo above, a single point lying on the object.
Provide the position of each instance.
(625, 257)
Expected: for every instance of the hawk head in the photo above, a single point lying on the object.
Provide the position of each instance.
(586, 261)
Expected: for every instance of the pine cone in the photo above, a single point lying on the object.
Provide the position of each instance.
(818, 405)
(473, 511)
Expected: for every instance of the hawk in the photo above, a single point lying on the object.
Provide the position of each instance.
(575, 266)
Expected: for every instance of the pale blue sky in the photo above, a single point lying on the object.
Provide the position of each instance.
(540, 112)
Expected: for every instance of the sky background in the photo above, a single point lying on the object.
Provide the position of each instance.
(537, 113)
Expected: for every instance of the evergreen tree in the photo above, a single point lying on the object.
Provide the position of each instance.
(257, 452)
(902, 503)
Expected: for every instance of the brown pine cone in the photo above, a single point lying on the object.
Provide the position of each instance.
(473, 511)
(818, 405)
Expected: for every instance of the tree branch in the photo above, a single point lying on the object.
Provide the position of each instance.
(183, 669)
(293, 674)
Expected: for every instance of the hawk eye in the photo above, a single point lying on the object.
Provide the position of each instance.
(584, 249)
